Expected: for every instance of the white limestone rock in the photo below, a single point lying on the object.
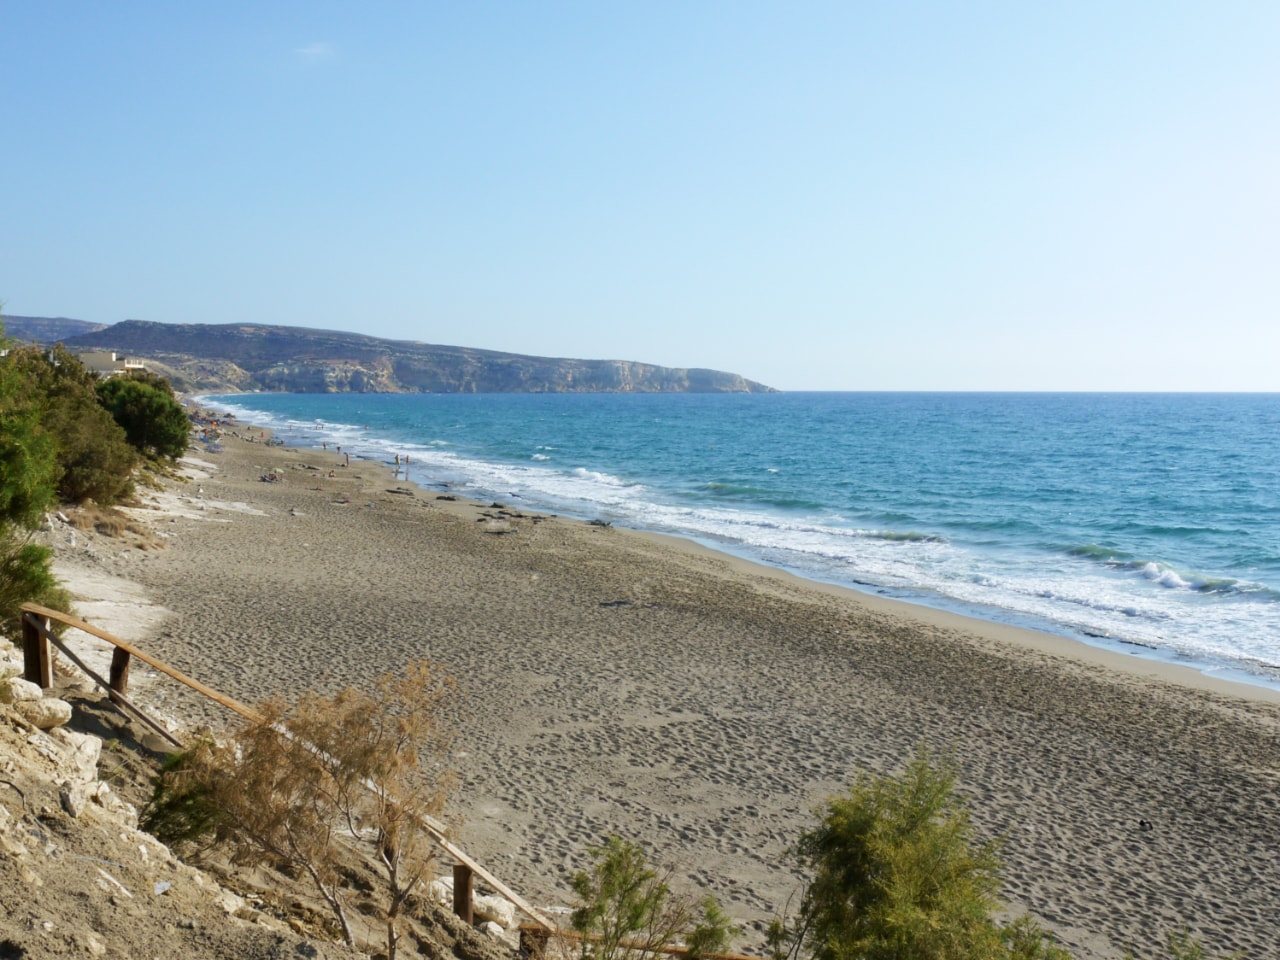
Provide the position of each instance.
(441, 891)
(74, 797)
(230, 902)
(45, 746)
(82, 750)
(44, 714)
(16, 690)
(494, 909)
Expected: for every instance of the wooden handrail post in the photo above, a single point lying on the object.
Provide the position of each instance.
(37, 662)
(119, 676)
(37, 634)
(463, 881)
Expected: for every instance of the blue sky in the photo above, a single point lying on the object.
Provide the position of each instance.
(841, 196)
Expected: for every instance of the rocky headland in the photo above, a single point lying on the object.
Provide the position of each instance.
(233, 357)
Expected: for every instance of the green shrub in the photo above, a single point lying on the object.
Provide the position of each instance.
(26, 575)
(1025, 940)
(153, 421)
(181, 812)
(897, 874)
(27, 466)
(27, 474)
(1182, 945)
(153, 379)
(627, 910)
(94, 459)
(97, 463)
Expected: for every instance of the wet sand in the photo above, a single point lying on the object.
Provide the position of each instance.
(617, 682)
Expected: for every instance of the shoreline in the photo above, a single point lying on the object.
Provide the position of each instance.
(1056, 644)
(1216, 669)
(621, 681)
(1109, 655)
(1043, 641)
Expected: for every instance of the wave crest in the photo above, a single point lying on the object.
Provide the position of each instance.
(904, 536)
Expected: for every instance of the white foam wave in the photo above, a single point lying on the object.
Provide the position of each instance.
(597, 476)
(1149, 604)
(1164, 576)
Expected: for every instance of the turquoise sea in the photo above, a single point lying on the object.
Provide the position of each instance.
(1145, 522)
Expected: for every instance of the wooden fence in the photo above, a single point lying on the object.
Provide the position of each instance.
(37, 638)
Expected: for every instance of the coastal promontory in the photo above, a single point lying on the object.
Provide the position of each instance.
(253, 356)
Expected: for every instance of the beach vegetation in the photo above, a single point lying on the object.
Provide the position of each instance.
(1181, 945)
(153, 420)
(627, 909)
(28, 476)
(26, 449)
(1024, 939)
(181, 813)
(299, 787)
(26, 575)
(94, 459)
(109, 523)
(895, 871)
(153, 379)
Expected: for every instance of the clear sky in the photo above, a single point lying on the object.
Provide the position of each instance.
(842, 196)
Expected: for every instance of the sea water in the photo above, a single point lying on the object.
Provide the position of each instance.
(1144, 522)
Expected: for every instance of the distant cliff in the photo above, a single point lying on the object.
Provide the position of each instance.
(247, 356)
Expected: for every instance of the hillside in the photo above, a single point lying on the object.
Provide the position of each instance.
(47, 329)
(241, 356)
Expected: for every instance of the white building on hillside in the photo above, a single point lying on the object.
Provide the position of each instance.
(108, 363)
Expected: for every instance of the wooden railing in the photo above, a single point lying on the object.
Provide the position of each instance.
(37, 638)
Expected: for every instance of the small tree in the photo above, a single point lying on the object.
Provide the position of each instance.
(28, 472)
(627, 910)
(365, 767)
(153, 379)
(896, 873)
(94, 459)
(154, 422)
(384, 758)
(27, 467)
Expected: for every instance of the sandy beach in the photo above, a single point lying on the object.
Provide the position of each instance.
(617, 682)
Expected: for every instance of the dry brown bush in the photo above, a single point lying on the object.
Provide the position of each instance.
(362, 768)
(111, 523)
